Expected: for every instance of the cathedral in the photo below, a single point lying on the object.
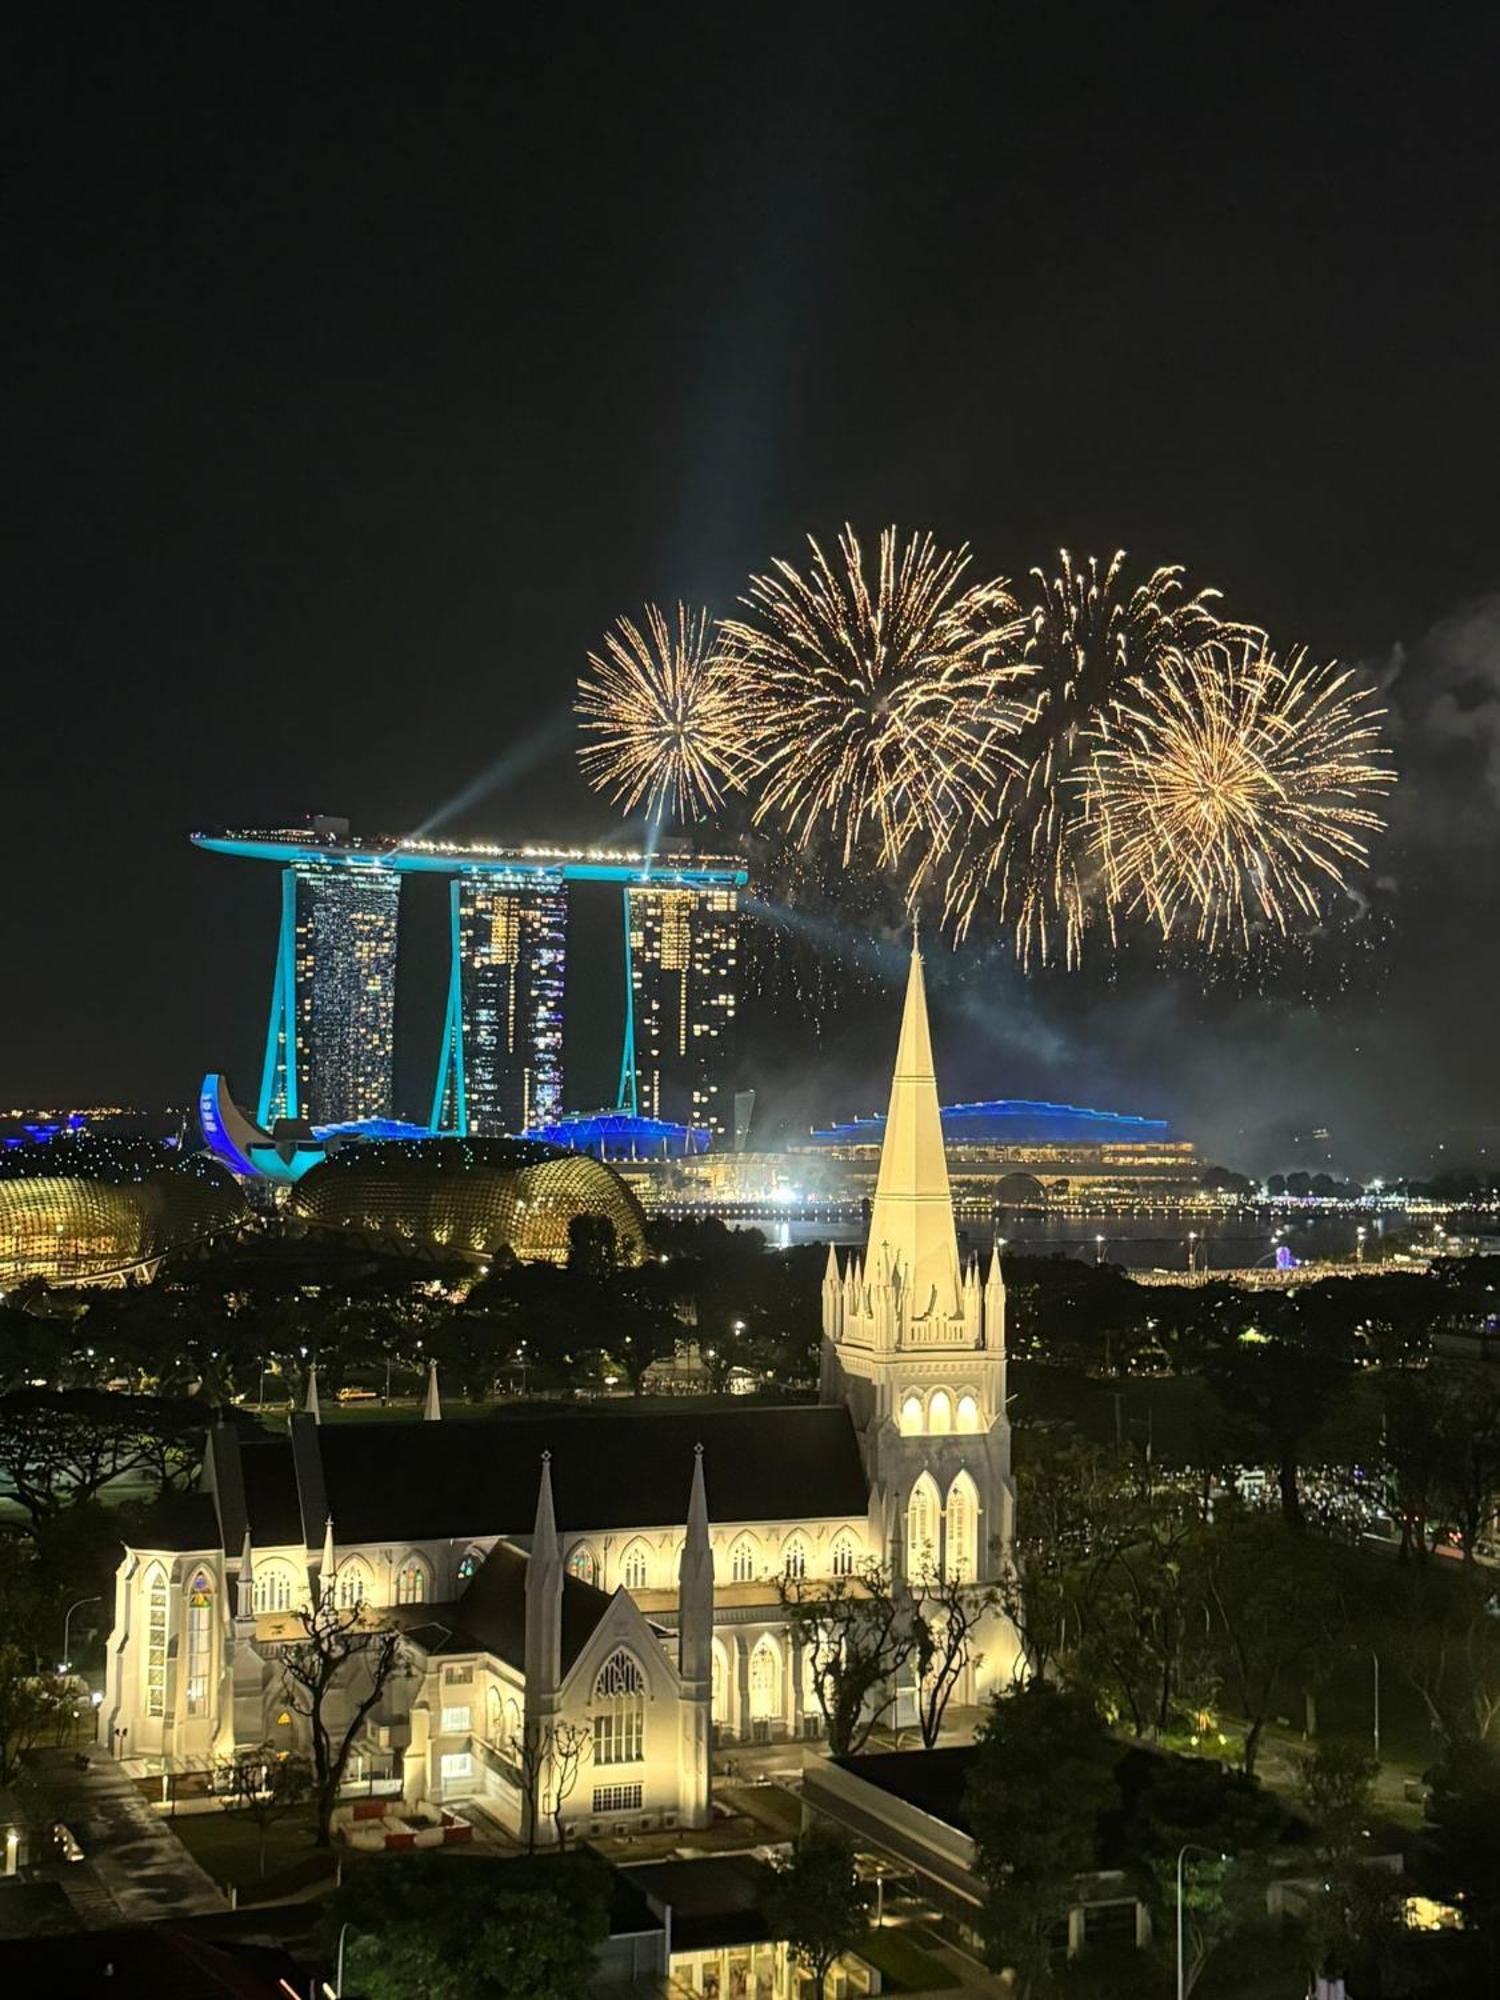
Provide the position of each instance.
(605, 1579)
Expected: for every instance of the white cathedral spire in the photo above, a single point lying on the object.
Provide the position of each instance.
(912, 1220)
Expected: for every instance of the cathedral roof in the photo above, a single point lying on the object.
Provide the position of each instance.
(611, 1469)
(490, 1617)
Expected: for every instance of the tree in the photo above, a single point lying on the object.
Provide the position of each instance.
(59, 1448)
(265, 1787)
(856, 1636)
(550, 1757)
(1274, 1596)
(1463, 1812)
(817, 1901)
(947, 1614)
(334, 1676)
(1336, 1784)
(424, 1928)
(1278, 1385)
(32, 1706)
(1043, 1777)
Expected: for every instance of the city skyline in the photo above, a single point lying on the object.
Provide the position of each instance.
(339, 517)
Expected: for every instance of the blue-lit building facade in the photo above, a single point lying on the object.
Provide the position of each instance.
(330, 1046)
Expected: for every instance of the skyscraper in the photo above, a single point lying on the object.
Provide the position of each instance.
(684, 951)
(512, 941)
(345, 972)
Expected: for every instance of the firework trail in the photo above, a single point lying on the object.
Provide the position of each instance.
(1027, 858)
(1227, 789)
(878, 703)
(663, 716)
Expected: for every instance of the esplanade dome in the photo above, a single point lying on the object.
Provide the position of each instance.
(467, 1197)
(86, 1210)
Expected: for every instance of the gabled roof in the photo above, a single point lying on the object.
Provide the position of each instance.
(491, 1615)
(616, 1469)
(611, 1469)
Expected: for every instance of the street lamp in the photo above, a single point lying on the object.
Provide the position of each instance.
(1098, 1249)
(338, 1971)
(1192, 1239)
(65, 1664)
(1188, 1847)
(1375, 1658)
(1359, 1244)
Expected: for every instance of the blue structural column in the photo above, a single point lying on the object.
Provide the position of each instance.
(628, 1096)
(450, 1090)
(278, 1076)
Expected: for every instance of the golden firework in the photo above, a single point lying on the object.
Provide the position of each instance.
(1027, 857)
(878, 704)
(1229, 788)
(663, 714)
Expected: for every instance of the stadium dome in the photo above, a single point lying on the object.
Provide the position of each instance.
(468, 1198)
(76, 1211)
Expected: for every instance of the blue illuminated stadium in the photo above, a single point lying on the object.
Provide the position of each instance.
(621, 1135)
(1015, 1121)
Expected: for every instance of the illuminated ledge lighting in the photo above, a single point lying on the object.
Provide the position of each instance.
(434, 858)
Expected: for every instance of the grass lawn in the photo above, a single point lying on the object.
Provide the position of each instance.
(226, 1845)
(903, 1965)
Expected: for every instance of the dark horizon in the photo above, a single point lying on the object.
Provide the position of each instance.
(357, 381)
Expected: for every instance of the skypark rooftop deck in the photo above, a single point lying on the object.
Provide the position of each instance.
(435, 857)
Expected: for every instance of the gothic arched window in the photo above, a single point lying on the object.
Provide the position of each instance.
(156, 1640)
(922, 1527)
(960, 1531)
(468, 1568)
(351, 1583)
(619, 1711)
(274, 1586)
(968, 1414)
(583, 1563)
(940, 1413)
(765, 1680)
(742, 1561)
(719, 1707)
(842, 1563)
(200, 1642)
(633, 1570)
(794, 1558)
(911, 1417)
(411, 1581)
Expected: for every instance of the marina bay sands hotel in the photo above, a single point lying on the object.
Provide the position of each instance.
(330, 1041)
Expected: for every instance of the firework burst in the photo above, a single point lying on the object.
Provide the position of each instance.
(878, 704)
(1229, 788)
(1087, 631)
(662, 715)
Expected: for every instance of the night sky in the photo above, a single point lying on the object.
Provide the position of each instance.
(357, 375)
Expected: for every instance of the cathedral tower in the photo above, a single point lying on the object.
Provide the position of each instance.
(914, 1343)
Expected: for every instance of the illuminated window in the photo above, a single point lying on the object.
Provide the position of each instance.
(911, 1417)
(719, 1707)
(274, 1586)
(584, 1564)
(960, 1525)
(411, 1582)
(968, 1414)
(940, 1413)
(469, 1567)
(843, 1556)
(633, 1569)
(351, 1584)
(456, 1721)
(156, 1641)
(619, 1711)
(765, 1680)
(794, 1558)
(742, 1560)
(921, 1527)
(200, 1643)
